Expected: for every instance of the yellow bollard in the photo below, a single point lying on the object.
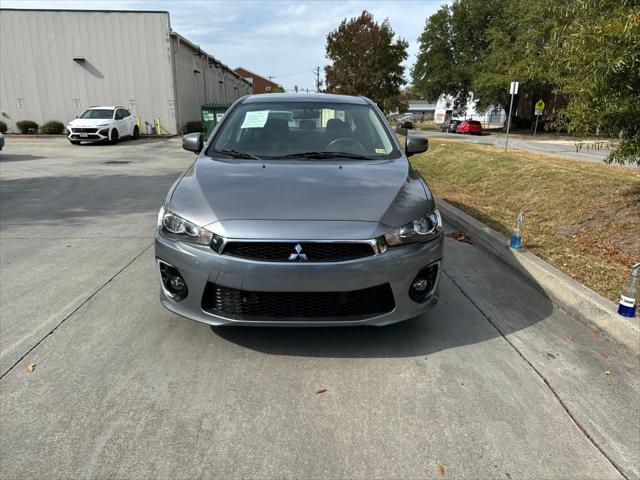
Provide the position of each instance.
(158, 131)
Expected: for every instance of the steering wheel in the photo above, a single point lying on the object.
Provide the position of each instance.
(348, 142)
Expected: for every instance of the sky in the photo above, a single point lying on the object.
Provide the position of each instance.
(284, 39)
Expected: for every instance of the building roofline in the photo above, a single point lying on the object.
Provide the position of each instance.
(197, 48)
(79, 10)
(257, 75)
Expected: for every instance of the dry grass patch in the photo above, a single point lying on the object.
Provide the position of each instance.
(583, 218)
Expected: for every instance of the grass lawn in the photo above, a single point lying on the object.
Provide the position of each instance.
(582, 218)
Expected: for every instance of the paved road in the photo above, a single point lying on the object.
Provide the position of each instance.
(561, 148)
(494, 383)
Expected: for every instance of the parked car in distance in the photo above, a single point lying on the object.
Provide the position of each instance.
(325, 223)
(406, 123)
(450, 126)
(1, 141)
(470, 126)
(102, 123)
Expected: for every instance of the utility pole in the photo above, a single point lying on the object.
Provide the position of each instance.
(513, 90)
(317, 72)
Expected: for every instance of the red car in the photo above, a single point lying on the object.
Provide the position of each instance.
(470, 126)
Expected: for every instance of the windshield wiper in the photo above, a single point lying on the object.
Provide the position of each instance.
(233, 153)
(324, 155)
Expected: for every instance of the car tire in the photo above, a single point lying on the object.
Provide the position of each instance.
(136, 132)
(74, 142)
(114, 136)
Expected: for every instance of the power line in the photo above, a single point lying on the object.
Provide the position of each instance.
(289, 74)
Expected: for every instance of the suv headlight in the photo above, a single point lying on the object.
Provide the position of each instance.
(422, 229)
(174, 227)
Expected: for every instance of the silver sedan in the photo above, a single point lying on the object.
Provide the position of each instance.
(300, 210)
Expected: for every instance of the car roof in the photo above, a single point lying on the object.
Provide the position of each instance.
(304, 97)
(104, 107)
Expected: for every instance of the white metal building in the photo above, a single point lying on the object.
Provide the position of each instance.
(56, 63)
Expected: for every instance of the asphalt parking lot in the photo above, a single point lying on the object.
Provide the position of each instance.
(495, 382)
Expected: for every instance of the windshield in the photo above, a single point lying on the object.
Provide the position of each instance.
(292, 129)
(99, 113)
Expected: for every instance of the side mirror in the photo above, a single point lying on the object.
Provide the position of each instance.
(416, 144)
(192, 142)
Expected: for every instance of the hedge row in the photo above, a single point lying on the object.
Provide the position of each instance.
(52, 127)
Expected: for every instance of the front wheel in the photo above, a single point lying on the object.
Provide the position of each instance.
(136, 132)
(114, 136)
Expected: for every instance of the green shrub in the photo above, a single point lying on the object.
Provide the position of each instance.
(27, 126)
(193, 126)
(3, 127)
(52, 127)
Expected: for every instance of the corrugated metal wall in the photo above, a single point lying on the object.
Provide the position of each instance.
(128, 62)
(200, 80)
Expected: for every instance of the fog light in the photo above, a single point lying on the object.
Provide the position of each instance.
(176, 284)
(172, 282)
(424, 283)
(420, 285)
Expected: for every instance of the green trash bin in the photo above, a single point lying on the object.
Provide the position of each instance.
(210, 114)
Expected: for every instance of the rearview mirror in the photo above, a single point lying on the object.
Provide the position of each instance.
(192, 142)
(416, 144)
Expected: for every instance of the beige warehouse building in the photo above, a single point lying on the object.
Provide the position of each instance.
(56, 63)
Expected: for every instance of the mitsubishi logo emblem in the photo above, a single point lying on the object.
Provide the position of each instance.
(298, 256)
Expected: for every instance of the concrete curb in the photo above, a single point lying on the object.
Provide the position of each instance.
(573, 297)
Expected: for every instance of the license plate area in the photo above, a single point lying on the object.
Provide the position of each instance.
(84, 135)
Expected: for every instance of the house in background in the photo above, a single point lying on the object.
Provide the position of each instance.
(493, 116)
(421, 110)
(260, 83)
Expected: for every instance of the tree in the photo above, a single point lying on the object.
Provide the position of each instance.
(452, 48)
(584, 51)
(366, 60)
(596, 62)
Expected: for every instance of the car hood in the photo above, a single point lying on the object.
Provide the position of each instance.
(89, 122)
(387, 192)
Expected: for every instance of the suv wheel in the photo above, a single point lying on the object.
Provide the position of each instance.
(114, 136)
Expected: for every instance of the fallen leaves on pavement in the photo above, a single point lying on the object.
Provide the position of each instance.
(569, 338)
(441, 470)
(31, 367)
(605, 355)
(595, 334)
(461, 237)
(321, 391)
(607, 372)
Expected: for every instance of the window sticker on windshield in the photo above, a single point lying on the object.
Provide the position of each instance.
(255, 119)
(380, 150)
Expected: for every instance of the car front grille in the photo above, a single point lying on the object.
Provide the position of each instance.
(281, 306)
(303, 251)
(84, 130)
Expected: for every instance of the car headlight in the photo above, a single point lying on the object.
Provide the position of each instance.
(174, 227)
(423, 229)
(104, 124)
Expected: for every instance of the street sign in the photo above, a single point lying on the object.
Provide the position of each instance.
(513, 90)
(539, 107)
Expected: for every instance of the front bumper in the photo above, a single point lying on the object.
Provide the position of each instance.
(88, 134)
(200, 266)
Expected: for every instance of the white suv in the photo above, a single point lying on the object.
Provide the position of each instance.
(102, 123)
